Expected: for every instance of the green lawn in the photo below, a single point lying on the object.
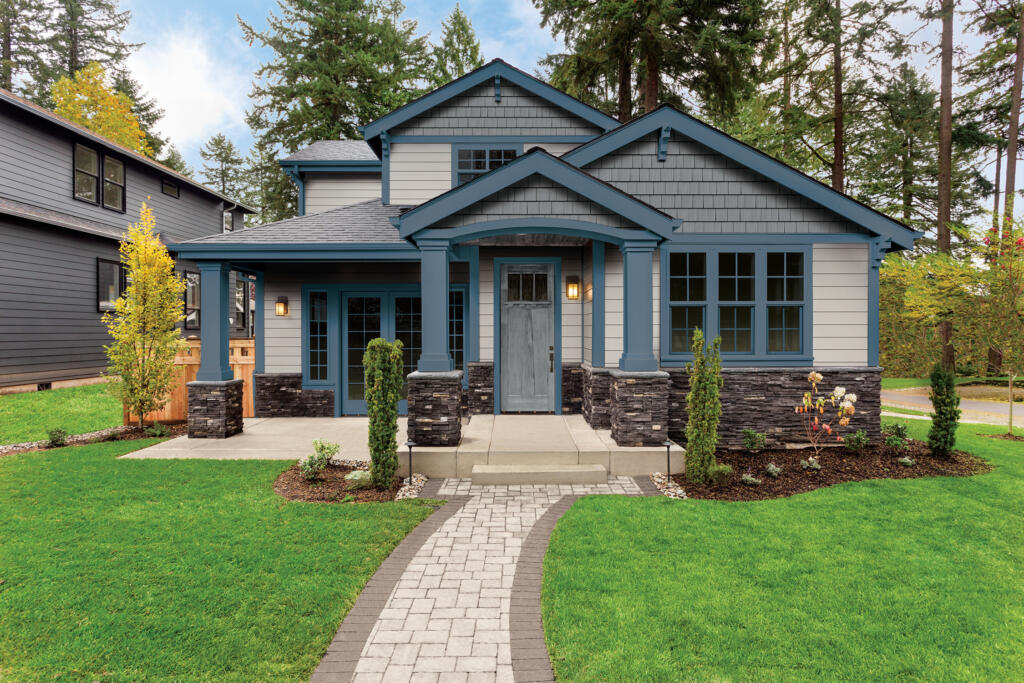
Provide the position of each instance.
(119, 570)
(904, 411)
(881, 580)
(911, 382)
(77, 410)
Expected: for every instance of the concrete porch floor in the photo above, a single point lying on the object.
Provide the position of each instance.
(486, 440)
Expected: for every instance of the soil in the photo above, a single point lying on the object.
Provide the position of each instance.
(838, 465)
(329, 487)
(1005, 437)
(120, 433)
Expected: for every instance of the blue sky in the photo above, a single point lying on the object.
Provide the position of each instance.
(196, 64)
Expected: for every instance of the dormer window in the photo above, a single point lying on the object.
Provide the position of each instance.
(471, 162)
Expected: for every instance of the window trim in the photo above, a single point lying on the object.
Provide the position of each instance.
(760, 355)
(123, 282)
(483, 144)
(164, 183)
(101, 157)
(98, 177)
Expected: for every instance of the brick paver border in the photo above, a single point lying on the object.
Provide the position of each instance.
(339, 663)
(647, 487)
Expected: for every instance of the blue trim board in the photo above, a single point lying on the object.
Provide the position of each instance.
(597, 359)
(480, 143)
(538, 225)
(482, 75)
(875, 258)
(500, 139)
(557, 295)
(303, 251)
(339, 166)
(537, 162)
(214, 365)
(261, 314)
(755, 160)
(300, 186)
(385, 178)
(760, 355)
(471, 254)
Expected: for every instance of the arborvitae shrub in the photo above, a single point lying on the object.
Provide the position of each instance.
(383, 367)
(946, 415)
(704, 408)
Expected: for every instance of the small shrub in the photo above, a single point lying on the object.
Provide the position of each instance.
(750, 480)
(895, 442)
(773, 470)
(810, 464)
(719, 473)
(359, 479)
(316, 463)
(56, 437)
(946, 404)
(907, 461)
(895, 429)
(704, 408)
(817, 424)
(158, 430)
(753, 441)
(382, 365)
(857, 441)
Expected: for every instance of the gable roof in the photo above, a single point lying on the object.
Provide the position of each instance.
(668, 117)
(334, 150)
(537, 161)
(44, 114)
(494, 68)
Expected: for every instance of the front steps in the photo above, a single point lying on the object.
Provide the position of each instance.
(539, 474)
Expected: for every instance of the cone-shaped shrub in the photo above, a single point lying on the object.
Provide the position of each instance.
(383, 366)
(946, 415)
(704, 408)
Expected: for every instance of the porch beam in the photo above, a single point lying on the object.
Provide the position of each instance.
(434, 255)
(213, 332)
(638, 318)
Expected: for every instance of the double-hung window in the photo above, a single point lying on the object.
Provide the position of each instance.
(99, 183)
(472, 162)
(755, 298)
(111, 282)
(113, 184)
(87, 174)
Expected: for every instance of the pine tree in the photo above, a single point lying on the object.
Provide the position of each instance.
(459, 51)
(337, 64)
(79, 33)
(21, 40)
(145, 108)
(225, 171)
(172, 159)
(268, 189)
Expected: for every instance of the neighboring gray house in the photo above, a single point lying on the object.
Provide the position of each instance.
(535, 255)
(66, 197)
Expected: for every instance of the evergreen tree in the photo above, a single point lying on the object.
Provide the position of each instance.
(268, 189)
(81, 32)
(337, 64)
(946, 415)
(459, 51)
(172, 159)
(144, 107)
(225, 171)
(21, 40)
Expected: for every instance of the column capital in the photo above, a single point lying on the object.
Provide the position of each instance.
(632, 246)
(434, 244)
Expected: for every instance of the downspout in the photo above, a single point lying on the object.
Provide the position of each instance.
(292, 171)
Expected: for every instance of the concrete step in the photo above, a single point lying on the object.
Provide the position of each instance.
(539, 474)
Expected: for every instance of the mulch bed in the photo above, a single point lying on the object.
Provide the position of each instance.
(1005, 437)
(329, 487)
(837, 466)
(119, 433)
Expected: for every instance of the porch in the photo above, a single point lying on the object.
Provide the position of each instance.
(529, 442)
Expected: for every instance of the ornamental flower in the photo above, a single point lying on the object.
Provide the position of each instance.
(814, 377)
(838, 392)
(851, 398)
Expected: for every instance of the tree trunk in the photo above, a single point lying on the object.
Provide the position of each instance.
(7, 20)
(787, 85)
(1010, 425)
(943, 238)
(838, 143)
(1013, 132)
(625, 85)
(995, 191)
(653, 79)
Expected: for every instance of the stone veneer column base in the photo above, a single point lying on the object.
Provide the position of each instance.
(597, 386)
(763, 399)
(572, 388)
(280, 394)
(214, 409)
(481, 388)
(639, 402)
(434, 403)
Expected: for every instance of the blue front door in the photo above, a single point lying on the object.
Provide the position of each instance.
(368, 315)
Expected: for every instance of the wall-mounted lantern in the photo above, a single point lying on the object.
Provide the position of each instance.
(281, 307)
(572, 288)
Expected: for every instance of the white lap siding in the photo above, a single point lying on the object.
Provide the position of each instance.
(419, 171)
(613, 306)
(326, 191)
(840, 284)
(282, 348)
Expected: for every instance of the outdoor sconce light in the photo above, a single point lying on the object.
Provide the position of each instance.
(281, 307)
(572, 288)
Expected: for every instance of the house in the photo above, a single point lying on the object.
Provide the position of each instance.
(66, 197)
(535, 255)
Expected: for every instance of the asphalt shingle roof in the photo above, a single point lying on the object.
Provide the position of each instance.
(335, 150)
(11, 207)
(365, 222)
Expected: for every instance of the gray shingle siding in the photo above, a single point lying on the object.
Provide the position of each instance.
(536, 196)
(518, 113)
(710, 192)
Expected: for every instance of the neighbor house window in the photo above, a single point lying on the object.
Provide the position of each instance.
(241, 314)
(192, 301)
(317, 336)
(170, 188)
(754, 299)
(229, 222)
(110, 283)
(87, 174)
(470, 163)
(113, 184)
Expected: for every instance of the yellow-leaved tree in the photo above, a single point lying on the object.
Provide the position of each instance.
(88, 100)
(141, 369)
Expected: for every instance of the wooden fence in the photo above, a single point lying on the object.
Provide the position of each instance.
(243, 361)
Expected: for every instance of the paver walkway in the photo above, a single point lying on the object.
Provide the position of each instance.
(467, 605)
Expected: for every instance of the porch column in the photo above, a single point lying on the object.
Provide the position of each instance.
(215, 398)
(434, 306)
(638, 318)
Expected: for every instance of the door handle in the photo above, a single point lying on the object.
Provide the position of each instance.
(551, 357)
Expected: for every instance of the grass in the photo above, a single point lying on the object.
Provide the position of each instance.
(912, 382)
(77, 410)
(904, 411)
(119, 570)
(878, 580)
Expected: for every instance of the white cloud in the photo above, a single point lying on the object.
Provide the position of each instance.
(201, 91)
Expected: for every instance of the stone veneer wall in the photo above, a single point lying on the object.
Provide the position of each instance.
(763, 399)
(639, 408)
(572, 388)
(597, 385)
(434, 402)
(480, 395)
(214, 409)
(282, 395)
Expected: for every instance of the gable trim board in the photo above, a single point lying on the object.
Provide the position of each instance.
(488, 72)
(759, 162)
